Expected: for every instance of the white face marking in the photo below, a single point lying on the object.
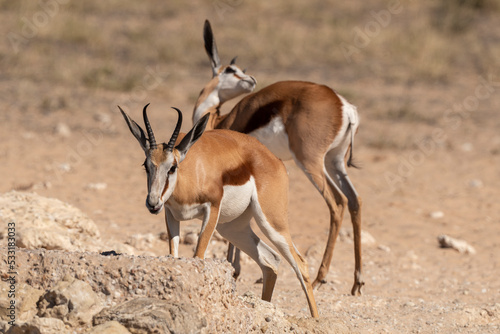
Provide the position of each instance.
(273, 135)
(158, 176)
(233, 82)
(236, 200)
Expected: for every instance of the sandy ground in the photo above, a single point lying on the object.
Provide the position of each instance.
(411, 283)
(428, 171)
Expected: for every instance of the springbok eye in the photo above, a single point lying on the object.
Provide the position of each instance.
(229, 70)
(172, 169)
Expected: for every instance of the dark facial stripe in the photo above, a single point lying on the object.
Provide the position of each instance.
(164, 188)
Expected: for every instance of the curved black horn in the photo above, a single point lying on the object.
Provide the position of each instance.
(152, 140)
(171, 143)
(233, 61)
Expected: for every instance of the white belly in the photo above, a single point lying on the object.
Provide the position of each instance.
(236, 200)
(275, 138)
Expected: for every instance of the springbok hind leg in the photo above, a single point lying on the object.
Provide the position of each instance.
(337, 172)
(234, 257)
(276, 230)
(239, 233)
(336, 202)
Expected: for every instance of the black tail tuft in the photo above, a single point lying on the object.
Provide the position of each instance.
(350, 162)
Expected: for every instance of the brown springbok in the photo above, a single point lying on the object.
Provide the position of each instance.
(303, 121)
(225, 179)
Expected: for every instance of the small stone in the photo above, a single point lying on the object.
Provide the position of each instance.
(459, 245)
(384, 248)
(475, 183)
(62, 130)
(96, 186)
(467, 147)
(191, 238)
(64, 167)
(437, 214)
(102, 118)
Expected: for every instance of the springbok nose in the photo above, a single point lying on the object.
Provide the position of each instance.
(152, 202)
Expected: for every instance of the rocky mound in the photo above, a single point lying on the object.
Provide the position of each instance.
(60, 283)
(64, 292)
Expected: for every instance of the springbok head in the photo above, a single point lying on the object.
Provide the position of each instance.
(231, 80)
(162, 160)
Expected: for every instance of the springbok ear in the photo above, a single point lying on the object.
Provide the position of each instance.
(136, 131)
(192, 136)
(211, 48)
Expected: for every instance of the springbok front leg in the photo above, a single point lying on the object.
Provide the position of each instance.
(207, 230)
(173, 227)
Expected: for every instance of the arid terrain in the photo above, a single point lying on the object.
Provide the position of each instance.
(425, 79)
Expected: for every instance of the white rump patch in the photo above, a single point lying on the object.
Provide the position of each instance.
(349, 115)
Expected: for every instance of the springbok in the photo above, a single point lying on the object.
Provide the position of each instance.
(303, 121)
(226, 179)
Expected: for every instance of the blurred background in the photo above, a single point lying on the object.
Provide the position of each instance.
(425, 77)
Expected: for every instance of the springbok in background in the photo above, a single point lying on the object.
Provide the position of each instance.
(303, 121)
(226, 179)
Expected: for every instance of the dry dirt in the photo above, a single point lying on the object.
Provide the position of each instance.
(430, 157)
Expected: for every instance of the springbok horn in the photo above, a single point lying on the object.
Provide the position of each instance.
(152, 140)
(233, 61)
(171, 143)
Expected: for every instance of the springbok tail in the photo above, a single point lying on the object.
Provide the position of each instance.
(350, 162)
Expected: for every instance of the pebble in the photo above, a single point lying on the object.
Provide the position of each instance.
(437, 214)
(62, 130)
(384, 248)
(475, 183)
(97, 186)
(467, 147)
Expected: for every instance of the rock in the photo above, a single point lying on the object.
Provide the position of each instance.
(459, 245)
(384, 248)
(436, 214)
(366, 238)
(23, 329)
(51, 224)
(110, 327)
(62, 130)
(46, 223)
(186, 292)
(103, 118)
(71, 300)
(40, 325)
(475, 183)
(96, 186)
(141, 241)
(148, 315)
(191, 238)
(26, 298)
(467, 147)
